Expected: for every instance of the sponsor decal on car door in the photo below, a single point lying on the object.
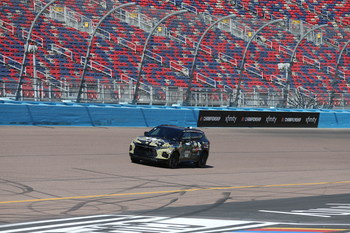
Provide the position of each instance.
(186, 146)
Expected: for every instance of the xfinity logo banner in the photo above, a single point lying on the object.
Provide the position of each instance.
(210, 118)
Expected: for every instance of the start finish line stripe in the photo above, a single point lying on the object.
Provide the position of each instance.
(171, 191)
(290, 230)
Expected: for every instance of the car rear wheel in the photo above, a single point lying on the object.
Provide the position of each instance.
(173, 161)
(202, 159)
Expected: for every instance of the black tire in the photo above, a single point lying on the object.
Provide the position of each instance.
(202, 159)
(173, 161)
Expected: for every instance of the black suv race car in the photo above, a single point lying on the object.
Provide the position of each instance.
(171, 145)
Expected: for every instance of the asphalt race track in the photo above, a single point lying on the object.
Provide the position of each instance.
(80, 179)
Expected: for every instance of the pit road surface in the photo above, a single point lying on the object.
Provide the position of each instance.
(279, 175)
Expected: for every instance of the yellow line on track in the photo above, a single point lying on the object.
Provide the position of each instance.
(171, 191)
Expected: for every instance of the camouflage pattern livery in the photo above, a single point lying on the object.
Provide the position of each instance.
(161, 146)
(171, 145)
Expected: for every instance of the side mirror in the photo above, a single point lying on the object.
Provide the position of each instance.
(145, 133)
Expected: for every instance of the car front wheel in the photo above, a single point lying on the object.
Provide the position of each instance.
(133, 160)
(173, 161)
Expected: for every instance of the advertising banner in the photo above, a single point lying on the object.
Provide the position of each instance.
(210, 118)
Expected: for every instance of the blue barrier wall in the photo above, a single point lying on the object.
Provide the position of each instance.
(334, 119)
(73, 114)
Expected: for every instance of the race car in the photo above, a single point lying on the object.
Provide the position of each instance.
(171, 145)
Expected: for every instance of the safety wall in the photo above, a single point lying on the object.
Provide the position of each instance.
(73, 114)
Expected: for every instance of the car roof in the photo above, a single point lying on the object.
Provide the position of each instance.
(181, 128)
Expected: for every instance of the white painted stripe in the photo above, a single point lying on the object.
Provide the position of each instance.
(65, 225)
(55, 220)
(130, 222)
(295, 213)
(257, 225)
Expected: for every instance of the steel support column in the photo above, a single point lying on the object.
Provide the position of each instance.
(241, 68)
(289, 72)
(136, 93)
(191, 71)
(335, 79)
(26, 48)
(87, 56)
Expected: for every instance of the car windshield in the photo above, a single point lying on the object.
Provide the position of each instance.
(165, 133)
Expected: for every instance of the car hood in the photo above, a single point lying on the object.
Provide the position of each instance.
(158, 142)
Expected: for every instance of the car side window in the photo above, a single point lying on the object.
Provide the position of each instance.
(153, 132)
(196, 136)
(186, 136)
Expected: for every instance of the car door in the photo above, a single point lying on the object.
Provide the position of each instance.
(186, 146)
(196, 147)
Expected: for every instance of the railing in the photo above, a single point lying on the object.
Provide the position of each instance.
(34, 38)
(122, 92)
(311, 61)
(58, 13)
(38, 5)
(61, 50)
(68, 16)
(228, 59)
(266, 42)
(189, 8)
(7, 27)
(178, 37)
(51, 80)
(323, 12)
(146, 91)
(253, 70)
(204, 79)
(140, 20)
(277, 79)
(154, 56)
(103, 33)
(208, 18)
(11, 62)
(127, 44)
(340, 73)
(178, 67)
(203, 48)
(186, 6)
(126, 79)
(283, 49)
(97, 66)
(102, 3)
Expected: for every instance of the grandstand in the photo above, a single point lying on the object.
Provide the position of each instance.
(268, 75)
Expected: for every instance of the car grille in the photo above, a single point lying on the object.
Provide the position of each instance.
(145, 151)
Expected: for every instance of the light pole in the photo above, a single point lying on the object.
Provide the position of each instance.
(20, 80)
(241, 68)
(87, 56)
(138, 82)
(191, 71)
(335, 79)
(286, 93)
(32, 48)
